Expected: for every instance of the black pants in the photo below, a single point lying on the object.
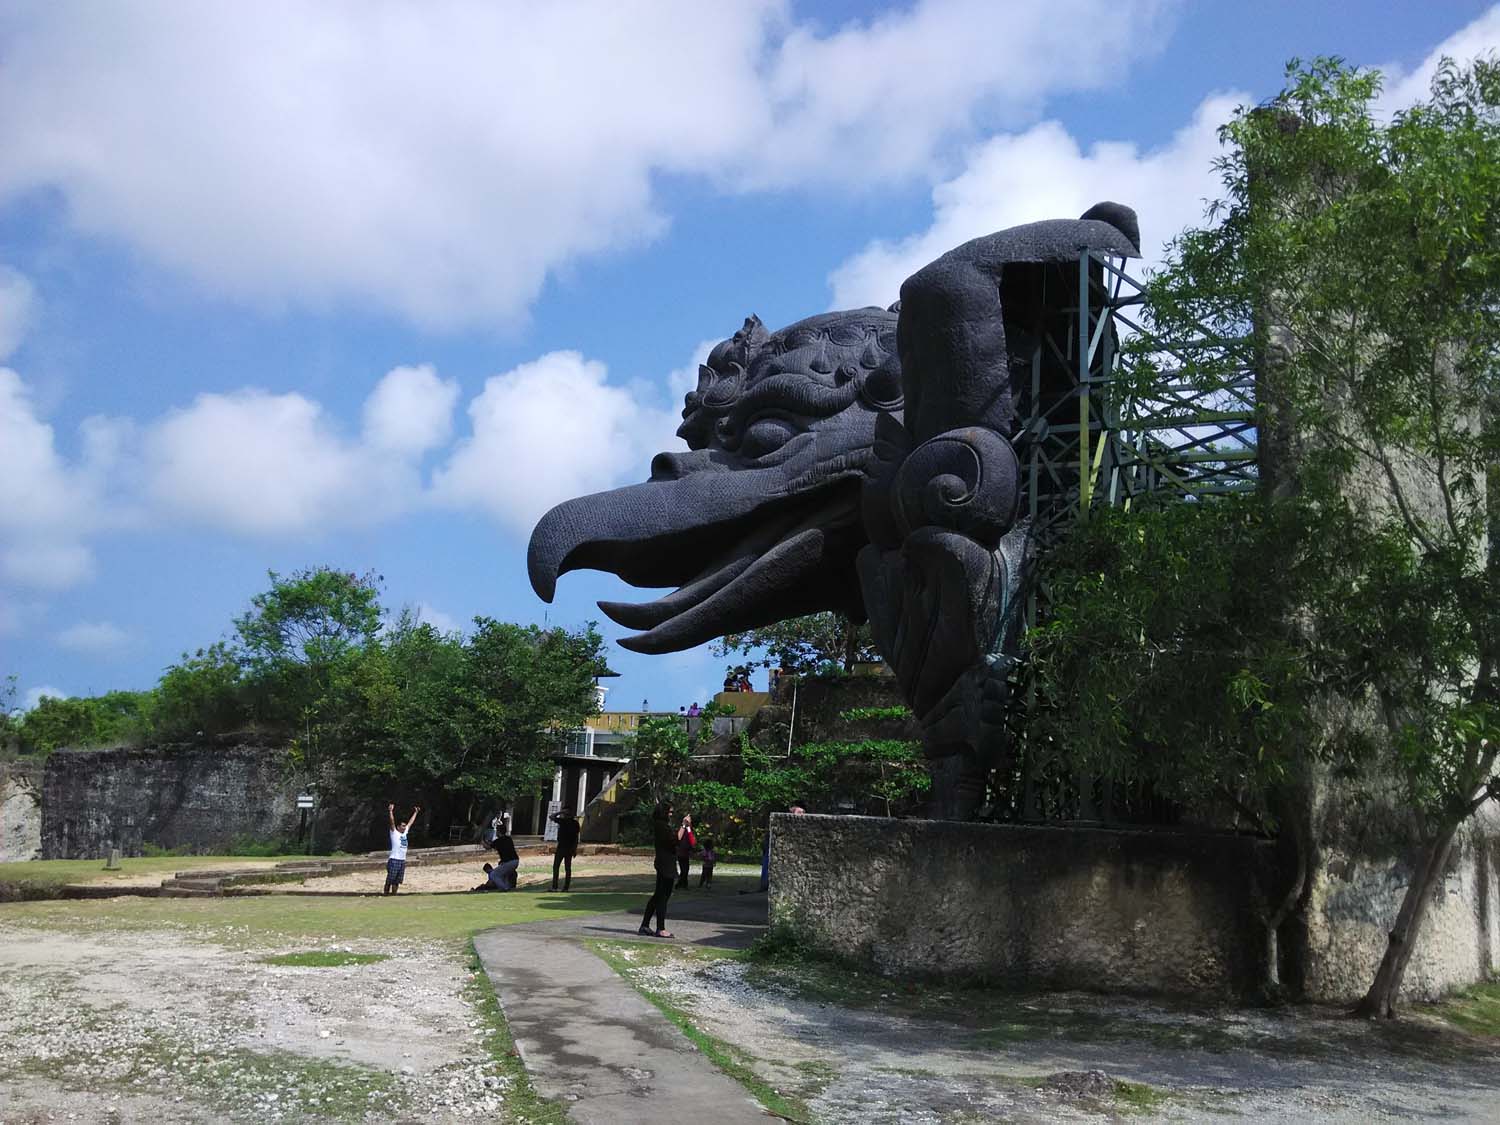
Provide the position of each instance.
(657, 903)
(558, 859)
(683, 863)
(706, 875)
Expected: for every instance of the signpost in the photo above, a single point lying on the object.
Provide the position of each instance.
(305, 802)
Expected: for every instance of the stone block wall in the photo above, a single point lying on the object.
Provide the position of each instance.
(20, 811)
(1353, 899)
(1038, 907)
(201, 797)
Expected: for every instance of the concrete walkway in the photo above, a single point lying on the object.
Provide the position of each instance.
(590, 1040)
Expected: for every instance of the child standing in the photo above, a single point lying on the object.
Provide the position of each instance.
(395, 866)
(709, 858)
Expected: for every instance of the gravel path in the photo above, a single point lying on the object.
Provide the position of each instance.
(1060, 1057)
(166, 1026)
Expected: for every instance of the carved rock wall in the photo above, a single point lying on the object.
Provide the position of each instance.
(1357, 886)
(1033, 907)
(201, 797)
(20, 811)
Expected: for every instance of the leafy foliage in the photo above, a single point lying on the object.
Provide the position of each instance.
(881, 776)
(116, 718)
(819, 642)
(1355, 264)
(445, 718)
(662, 751)
(474, 717)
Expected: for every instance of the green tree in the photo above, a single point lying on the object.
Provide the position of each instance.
(1355, 262)
(662, 751)
(881, 776)
(113, 719)
(205, 693)
(803, 645)
(459, 719)
(295, 639)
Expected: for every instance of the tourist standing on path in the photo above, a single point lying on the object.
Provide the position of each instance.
(568, 829)
(665, 841)
(395, 865)
(685, 845)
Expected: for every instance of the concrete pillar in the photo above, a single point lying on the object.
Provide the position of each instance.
(583, 781)
(557, 780)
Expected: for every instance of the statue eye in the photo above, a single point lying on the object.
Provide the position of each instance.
(766, 435)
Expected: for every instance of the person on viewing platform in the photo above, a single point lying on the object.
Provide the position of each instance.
(395, 865)
(694, 711)
(568, 829)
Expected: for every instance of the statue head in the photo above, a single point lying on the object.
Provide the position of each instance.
(758, 519)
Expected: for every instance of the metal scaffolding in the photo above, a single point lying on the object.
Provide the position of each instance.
(1091, 434)
(1103, 425)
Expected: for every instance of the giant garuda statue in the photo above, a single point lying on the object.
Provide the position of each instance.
(863, 462)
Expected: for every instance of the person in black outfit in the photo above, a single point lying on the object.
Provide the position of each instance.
(510, 859)
(567, 846)
(665, 841)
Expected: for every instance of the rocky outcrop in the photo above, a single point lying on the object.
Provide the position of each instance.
(199, 797)
(20, 811)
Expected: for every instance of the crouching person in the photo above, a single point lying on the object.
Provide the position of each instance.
(499, 876)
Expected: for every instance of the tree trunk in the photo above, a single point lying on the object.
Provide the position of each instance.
(1271, 989)
(1385, 989)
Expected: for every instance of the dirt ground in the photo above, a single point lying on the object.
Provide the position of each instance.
(160, 1026)
(888, 1059)
(428, 878)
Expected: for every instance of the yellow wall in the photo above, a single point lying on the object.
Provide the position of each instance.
(743, 703)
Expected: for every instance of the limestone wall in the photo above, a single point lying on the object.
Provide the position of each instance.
(20, 811)
(201, 797)
(1354, 898)
(1154, 912)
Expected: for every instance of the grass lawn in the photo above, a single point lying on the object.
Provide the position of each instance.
(56, 872)
(244, 920)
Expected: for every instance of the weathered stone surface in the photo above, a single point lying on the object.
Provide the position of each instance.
(20, 811)
(199, 797)
(1356, 892)
(1030, 907)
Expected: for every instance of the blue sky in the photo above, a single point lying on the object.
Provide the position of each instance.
(374, 285)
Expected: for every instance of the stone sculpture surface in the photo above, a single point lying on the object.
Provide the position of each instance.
(862, 462)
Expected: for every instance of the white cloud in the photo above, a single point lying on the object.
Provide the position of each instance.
(546, 431)
(94, 638)
(34, 696)
(49, 505)
(441, 160)
(47, 565)
(1044, 173)
(874, 101)
(431, 615)
(276, 464)
(410, 410)
(1480, 37)
(17, 303)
